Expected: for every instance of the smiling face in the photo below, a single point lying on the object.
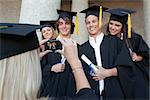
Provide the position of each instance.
(64, 27)
(92, 25)
(47, 32)
(115, 28)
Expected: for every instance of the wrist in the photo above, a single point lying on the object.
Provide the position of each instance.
(111, 72)
(77, 69)
(76, 64)
(139, 58)
(52, 68)
(108, 73)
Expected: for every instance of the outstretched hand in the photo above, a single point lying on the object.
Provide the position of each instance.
(41, 50)
(100, 74)
(70, 52)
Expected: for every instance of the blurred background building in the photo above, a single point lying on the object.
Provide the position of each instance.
(32, 11)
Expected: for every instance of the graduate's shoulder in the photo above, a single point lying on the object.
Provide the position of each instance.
(136, 35)
(78, 45)
(85, 44)
(111, 38)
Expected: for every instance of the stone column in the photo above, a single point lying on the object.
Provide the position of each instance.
(146, 5)
(32, 11)
(77, 6)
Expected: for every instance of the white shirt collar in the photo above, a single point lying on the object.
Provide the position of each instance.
(58, 37)
(98, 41)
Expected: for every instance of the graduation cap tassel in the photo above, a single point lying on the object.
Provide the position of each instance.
(77, 25)
(100, 17)
(129, 26)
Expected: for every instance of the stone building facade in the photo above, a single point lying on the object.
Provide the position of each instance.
(32, 11)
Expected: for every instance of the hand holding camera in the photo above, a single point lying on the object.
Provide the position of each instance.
(54, 45)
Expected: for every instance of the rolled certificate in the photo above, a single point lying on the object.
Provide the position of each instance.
(130, 50)
(86, 60)
(63, 60)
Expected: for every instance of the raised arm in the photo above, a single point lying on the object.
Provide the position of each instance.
(71, 54)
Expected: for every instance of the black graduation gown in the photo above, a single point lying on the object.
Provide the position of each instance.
(141, 86)
(56, 84)
(83, 94)
(113, 54)
(53, 84)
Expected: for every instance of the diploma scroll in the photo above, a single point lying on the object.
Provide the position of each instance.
(86, 60)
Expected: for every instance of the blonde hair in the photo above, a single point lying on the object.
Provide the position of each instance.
(53, 31)
(20, 76)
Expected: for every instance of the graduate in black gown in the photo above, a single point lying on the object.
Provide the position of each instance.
(61, 84)
(114, 78)
(65, 28)
(51, 64)
(139, 50)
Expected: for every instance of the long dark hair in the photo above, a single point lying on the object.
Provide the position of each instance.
(124, 30)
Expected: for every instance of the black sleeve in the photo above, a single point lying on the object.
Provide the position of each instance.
(43, 62)
(47, 70)
(143, 48)
(125, 69)
(86, 94)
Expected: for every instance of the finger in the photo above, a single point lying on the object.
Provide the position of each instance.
(93, 74)
(95, 78)
(44, 53)
(96, 72)
(43, 41)
(133, 59)
(59, 51)
(97, 67)
(63, 67)
(42, 47)
(62, 70)
(62, 41)
(59, 70)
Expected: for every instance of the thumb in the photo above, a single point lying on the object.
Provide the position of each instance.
(63, 42)
(43, 41)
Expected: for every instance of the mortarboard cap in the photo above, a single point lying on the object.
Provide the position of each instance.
(119, 14)
(17, 38)
(93, 10)
(123, 16)
(96, 10)
(47, 23)
(66, 14)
